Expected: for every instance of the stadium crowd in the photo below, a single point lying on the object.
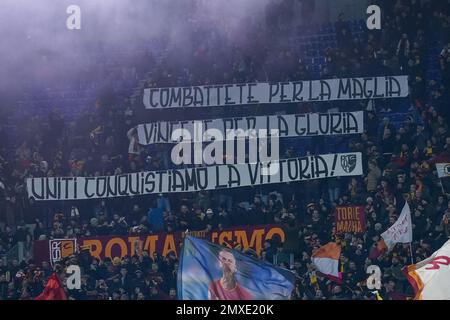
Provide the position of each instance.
(398, 165)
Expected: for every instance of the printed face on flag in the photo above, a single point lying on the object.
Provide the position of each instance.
(227, 261)
(211, 272)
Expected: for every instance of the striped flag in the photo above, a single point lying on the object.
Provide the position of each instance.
(326, 260)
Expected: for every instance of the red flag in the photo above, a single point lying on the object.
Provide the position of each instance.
(53, 290)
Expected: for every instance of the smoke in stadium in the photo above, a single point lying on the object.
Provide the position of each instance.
(224, 150)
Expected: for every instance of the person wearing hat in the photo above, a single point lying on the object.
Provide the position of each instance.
(310, 207)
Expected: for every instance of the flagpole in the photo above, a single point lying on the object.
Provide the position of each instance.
(444, 193)
(442, 186)
(410, 250)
